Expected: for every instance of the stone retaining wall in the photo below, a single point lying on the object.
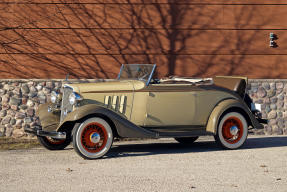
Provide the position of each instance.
(271, 94)
(19, 99)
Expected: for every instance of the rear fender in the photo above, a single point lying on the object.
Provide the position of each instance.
(233, 105)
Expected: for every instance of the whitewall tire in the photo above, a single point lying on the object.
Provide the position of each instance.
(92, 138)
(232, 131)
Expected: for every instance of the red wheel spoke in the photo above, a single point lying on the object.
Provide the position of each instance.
(86, 137)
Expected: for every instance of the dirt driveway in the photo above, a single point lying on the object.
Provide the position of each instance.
(151, 165)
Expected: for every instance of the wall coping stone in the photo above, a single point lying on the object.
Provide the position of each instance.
(267, 80)
(96, 80)
(39, 80)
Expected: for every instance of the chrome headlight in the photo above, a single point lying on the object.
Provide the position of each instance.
(55, 97)
(73, 97)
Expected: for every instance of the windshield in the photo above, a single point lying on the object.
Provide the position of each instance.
(137, 71)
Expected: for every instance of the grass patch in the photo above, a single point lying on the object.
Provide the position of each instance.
(12, 144)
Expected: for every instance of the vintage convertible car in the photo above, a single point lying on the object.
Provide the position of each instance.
(137, 106)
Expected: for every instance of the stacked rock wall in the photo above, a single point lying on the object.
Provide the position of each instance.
(272, 95)
(19, 100)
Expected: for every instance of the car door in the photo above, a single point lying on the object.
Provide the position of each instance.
(170, 108)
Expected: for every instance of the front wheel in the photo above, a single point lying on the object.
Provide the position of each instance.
(232, 131)
(54, 144)
(92, 138)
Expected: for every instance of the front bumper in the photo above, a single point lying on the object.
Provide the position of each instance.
(39, 132)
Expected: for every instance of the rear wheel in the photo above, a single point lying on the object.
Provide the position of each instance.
(92, 138)
(232, 131)
(54, 144)
(186, 140)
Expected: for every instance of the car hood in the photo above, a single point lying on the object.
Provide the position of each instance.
(123, 85)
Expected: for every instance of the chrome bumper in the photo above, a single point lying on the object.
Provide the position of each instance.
(39, 132)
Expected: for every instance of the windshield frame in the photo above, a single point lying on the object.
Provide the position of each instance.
(150, 75)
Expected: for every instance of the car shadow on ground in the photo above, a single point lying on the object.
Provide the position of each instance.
(155, 148)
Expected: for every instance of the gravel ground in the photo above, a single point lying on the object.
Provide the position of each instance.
(151, 165)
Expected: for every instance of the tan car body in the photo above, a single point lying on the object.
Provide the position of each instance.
(137, 110)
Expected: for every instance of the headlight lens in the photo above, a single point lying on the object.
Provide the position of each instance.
(54, 97)
(73, 97)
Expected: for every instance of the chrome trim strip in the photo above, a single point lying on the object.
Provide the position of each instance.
(151, 74)
(66, 107)
(119, 75)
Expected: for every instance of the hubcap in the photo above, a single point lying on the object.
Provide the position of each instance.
(95, 137)
(234, 130)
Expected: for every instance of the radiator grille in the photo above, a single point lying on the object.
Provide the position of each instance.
(66, 107)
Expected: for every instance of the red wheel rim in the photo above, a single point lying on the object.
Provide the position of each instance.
(226, 130)
(55, 141)
(86, 137)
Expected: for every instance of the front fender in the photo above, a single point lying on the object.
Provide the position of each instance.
(49, 121)
(123, 126)
(80, 113)
(84, 111)
(226, 105)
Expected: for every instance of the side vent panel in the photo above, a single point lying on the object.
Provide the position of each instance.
(117, 103)
(123, 104)
(108, 101)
